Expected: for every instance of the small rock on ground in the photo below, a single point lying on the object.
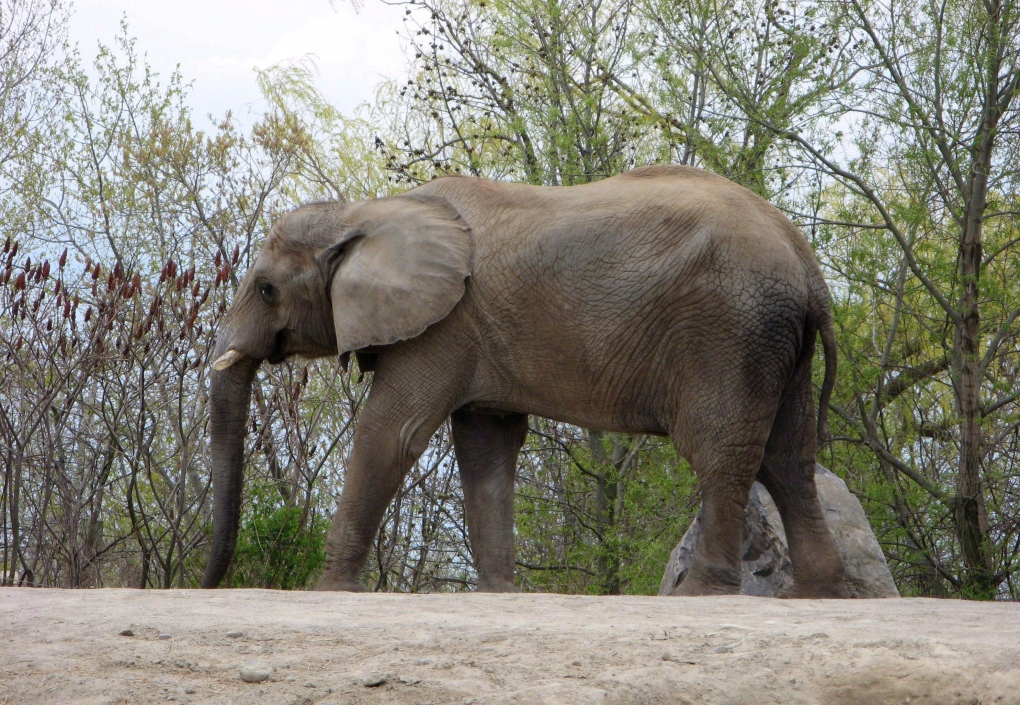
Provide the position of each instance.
(254, 673)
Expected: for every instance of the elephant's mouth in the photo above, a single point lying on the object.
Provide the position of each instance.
(277, 354)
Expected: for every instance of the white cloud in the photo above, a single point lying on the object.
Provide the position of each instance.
(217, 43)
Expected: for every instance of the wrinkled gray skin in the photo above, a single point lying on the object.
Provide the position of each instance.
(666, 301)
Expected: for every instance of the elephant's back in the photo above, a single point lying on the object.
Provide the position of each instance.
(622, 237)
(662, 207)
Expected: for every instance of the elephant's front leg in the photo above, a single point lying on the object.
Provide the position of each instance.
(393, 431)
(487, 448)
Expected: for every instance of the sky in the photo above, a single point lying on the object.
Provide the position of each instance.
(217, 43)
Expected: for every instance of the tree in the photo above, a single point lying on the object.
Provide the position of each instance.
(516, 90)
(932, 166)
(103, 396)
(30, 32)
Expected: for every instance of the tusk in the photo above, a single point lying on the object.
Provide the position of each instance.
(227, 359)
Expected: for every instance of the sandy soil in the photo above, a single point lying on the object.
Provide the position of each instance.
(60, 646)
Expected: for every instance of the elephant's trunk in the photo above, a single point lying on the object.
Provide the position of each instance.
(229, 398)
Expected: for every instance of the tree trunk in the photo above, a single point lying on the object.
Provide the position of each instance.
(607, 491)
(968, 504)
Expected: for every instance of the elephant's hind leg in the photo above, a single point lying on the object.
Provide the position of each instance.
(788, 473)
(487, 448)
(725, 474)
(722, 429)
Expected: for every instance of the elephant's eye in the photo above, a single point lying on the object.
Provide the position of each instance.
(268, 292)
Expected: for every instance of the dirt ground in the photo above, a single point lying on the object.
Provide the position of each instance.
(191, 646)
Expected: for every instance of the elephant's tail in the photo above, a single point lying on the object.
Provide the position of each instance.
(828, 334)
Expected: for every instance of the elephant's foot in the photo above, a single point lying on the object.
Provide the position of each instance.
(713, 581)
(495, 585)
(820, 576)
(341, 583)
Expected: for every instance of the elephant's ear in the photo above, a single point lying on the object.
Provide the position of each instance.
(399, 267)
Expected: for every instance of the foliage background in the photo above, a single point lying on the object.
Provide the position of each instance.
(888, 130)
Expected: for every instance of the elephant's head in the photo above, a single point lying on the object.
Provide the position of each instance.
(331, 278)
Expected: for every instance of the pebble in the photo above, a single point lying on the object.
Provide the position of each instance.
(189, 691)
(127, 632)
(311, 684)
(666, 656)
(163, 636)
(374, 680)
(409, 680)
(254, 673)
(237, 634)
(722, 649)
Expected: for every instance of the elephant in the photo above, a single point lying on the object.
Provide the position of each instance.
(665, 300)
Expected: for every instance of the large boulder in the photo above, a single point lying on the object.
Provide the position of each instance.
(767, 571)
